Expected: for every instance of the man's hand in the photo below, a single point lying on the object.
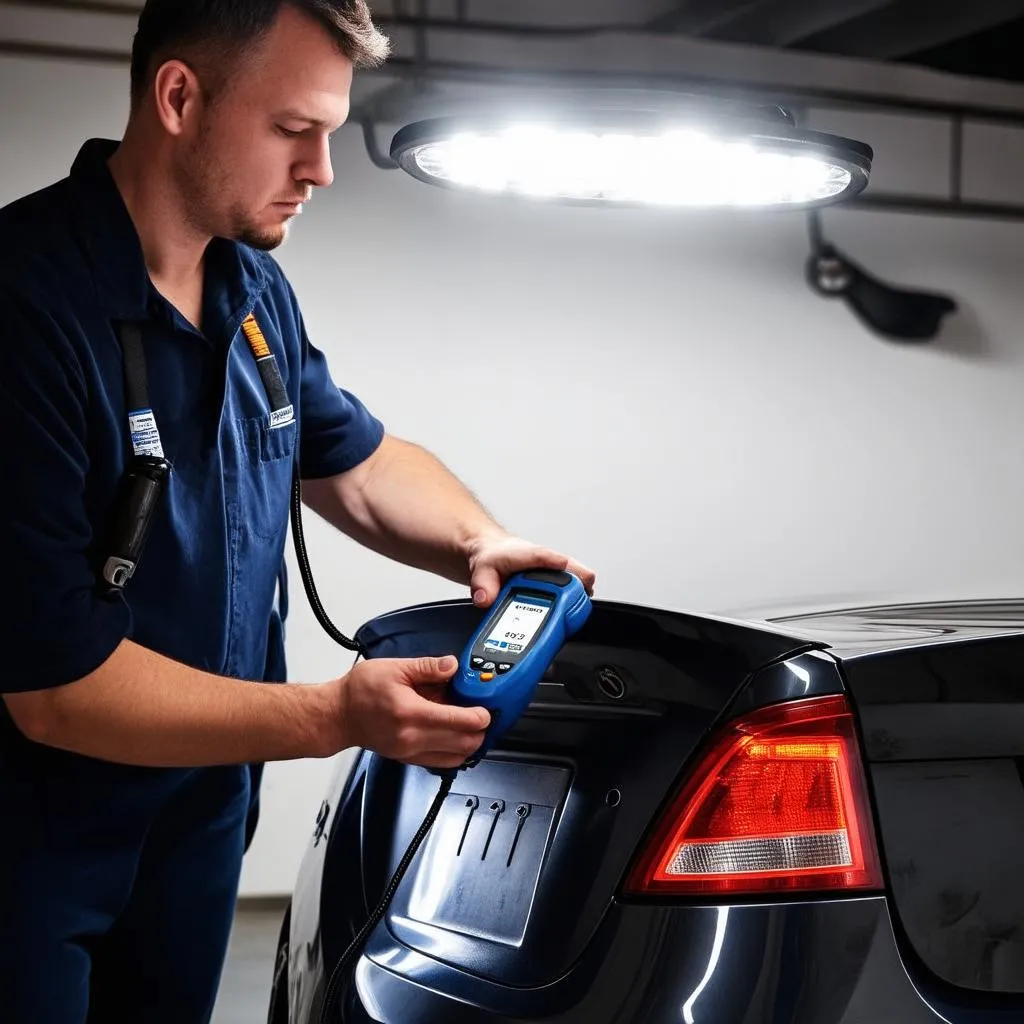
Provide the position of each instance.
(395, 708)
(494, 558)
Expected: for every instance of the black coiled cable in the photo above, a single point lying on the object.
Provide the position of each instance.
(447, 778)
(356, 945)
(306, 571)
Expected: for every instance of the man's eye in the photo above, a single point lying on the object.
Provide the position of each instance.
(288, 133)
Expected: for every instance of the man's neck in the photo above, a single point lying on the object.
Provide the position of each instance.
(173, 250)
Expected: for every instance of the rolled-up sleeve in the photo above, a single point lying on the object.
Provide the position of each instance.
(57, 625)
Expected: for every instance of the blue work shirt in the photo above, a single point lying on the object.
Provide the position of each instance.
(206, 590)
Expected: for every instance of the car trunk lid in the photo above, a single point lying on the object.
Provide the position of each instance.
(531, 845)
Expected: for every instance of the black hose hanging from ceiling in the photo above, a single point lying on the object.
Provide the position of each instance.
(815, 232)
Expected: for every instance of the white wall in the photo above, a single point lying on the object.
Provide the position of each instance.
(700, 427)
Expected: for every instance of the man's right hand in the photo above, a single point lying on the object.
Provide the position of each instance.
(395, 708)
(142, 708)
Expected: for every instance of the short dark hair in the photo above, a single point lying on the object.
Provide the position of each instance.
(229, 27)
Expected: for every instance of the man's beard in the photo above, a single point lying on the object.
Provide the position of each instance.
(200, 180)
(258, 237)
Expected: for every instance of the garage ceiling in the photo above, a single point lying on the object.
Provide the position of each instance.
(982, 38)
(682, 48)
(971, 37)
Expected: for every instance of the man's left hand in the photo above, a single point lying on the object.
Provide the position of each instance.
(493, 560)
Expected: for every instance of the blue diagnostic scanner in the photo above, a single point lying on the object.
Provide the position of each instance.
(535, 613)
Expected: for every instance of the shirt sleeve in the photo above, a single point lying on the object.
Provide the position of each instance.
(338, 431)
(58, 626)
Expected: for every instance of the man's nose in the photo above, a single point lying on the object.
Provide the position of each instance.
(317, 169)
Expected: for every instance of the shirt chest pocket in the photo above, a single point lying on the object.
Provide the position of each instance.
(265, 471)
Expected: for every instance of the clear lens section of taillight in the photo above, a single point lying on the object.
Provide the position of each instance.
(777, 802)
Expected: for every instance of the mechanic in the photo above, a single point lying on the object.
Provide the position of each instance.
(134, 721)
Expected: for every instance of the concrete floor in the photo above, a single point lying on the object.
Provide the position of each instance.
(245, 985)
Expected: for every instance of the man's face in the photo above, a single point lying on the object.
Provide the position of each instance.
(261, 144)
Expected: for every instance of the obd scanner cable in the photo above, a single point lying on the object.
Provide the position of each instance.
(500, 666)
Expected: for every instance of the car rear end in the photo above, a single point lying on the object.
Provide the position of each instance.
(683, 827)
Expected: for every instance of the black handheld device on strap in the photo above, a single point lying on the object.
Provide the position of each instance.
(147, 472)
(142, 486)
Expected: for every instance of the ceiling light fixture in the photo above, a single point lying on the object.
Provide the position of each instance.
(637, 159)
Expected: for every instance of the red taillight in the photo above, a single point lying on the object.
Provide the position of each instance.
(778, 802)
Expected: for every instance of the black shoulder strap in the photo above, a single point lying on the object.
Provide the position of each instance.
(144, 433)
(136, 388)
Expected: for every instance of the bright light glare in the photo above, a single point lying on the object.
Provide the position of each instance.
(678, 168)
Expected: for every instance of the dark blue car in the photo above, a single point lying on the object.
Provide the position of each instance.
(698, 821)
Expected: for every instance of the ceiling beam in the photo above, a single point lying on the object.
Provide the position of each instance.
(385, 21)
(785, 22)
(695, 17)
(902, 29)
(756, 91)
(81, 7)
(58, 51)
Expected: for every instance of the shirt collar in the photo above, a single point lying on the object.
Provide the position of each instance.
(118, 265)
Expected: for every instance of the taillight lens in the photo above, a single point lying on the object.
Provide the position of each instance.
(778, 802)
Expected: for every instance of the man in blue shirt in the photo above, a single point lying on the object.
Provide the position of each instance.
(129, 717)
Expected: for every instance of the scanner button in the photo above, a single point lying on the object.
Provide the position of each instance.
(486, 677)
(476, 662)
(489, 666)
(504, 668)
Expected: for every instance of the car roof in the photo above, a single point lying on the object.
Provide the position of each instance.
(875, 629)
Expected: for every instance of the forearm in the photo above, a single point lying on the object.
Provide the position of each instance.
(407, 506)
(142, 708)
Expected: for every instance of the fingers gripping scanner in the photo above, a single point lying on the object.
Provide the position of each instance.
(505, 659)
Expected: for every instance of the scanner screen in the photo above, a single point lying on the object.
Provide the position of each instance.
(517, 625)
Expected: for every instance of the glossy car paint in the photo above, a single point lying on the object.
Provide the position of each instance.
(621, 717)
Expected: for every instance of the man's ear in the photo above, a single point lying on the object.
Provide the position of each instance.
(177, 95)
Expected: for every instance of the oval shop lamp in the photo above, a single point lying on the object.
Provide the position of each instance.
(637, 159)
